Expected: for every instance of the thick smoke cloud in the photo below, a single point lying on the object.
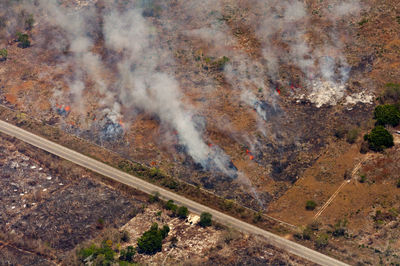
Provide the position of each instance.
(142, 83)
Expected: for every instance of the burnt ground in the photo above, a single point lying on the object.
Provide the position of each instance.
(284, 146)
(48, 211)
(14, 256)
(297, 136)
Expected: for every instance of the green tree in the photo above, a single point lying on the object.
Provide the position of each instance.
(205, 219)
(171, 206)
(310, 205)
(128, 254)
(23, 39)
(379, 139)
(387, 114)
(151, 241)
(165, 231)
(3, 54)
(182, 212)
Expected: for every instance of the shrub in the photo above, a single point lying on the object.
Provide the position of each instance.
(387, 115)
(230, 235)
(340, 132)
(340, 228)
(391, 93)
(100, 223)
(151, 241)
(379, 139)
(154, 198)
(364, 147)
(205, 219)
(352, 135)
(29, 22)
(398, 183)
(103, 255)
(310, 205)
(23, 39)
(363, 178)
(171, 206)
(125, 236)
(3, 54)
(128, 254)
(307, 232)
(182, 212)
(314, 226)
(257, 217)
(170, 183)
(164, 231)
(322, 241)
(156, 173)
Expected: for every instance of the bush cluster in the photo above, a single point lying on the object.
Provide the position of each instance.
(379, 139)
(205, 219)
(311, 205)
(387, 114)
(151, 241)
(3, 54)
(182, 212)
(23, 39)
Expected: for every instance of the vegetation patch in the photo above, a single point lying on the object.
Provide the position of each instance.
(379, 139)
(151, 241)
(311, 205)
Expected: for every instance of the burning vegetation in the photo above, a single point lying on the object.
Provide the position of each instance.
(236, 97)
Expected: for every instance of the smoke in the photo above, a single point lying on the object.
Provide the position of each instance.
(143, 84)
(78, 29)
(288, 25)
(144, 69)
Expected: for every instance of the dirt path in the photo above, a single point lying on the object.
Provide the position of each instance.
(353, 178)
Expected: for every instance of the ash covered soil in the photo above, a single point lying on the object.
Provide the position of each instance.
(238, 98)
(48, 209)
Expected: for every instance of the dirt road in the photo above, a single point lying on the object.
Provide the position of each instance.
(146, 187)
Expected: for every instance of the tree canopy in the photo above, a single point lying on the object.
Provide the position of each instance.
(387, 114)
(379, 139)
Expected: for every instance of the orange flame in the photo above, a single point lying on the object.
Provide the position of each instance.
(153, 163)
(67, 108)
(251, 157)
(278, 91)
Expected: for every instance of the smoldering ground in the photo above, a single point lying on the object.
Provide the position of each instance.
(125, 53)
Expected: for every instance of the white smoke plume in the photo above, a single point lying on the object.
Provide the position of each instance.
(76, 28)
(144, 85)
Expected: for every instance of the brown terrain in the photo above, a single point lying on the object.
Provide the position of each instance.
(50, 212)
(283, 161)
